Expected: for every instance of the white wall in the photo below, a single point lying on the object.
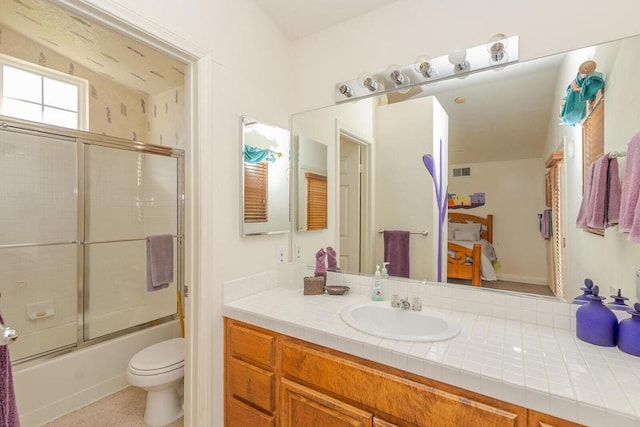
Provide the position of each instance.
(514, 193)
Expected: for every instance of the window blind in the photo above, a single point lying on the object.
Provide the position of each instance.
(255, 192)
(316, 201)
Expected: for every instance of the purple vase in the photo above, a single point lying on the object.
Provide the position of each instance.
(596, 323)
(618, 302)
(586, 291)
(629, 332)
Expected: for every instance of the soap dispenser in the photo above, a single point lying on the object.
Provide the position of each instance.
(629, 332)
(586, 291)
(596, 323)
(376, 291)
(384, 273)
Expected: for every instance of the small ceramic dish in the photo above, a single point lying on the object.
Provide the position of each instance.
(336, 290)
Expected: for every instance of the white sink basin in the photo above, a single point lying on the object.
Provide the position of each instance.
(382, 320)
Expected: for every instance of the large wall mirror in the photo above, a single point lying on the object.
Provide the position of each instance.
(265, 178)
(503, 127)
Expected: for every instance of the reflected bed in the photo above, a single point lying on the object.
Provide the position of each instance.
(470, 252)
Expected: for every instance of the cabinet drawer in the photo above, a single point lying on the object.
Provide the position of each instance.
(250, 384)
(242, 415)
(250, 345)
(404, 399)
(302, 406)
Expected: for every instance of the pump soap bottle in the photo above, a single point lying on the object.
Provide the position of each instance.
(376, 291)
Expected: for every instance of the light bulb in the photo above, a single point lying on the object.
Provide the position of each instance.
(367, 81)
(345, 90)
(394, 74)
(423, 67)
(497, 47)
(458, 58)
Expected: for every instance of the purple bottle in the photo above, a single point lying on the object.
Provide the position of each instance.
(586, 291)
(618, 302)
(629, 332)
(596, 323)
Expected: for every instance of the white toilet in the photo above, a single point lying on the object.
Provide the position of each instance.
(159, 369)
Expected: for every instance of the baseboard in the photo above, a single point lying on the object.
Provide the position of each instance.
(523, 279)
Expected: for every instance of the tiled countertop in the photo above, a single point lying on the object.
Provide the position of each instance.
(540, 367)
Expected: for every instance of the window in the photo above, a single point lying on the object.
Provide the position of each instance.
(256, 178)
(38, 94)
(316, 201)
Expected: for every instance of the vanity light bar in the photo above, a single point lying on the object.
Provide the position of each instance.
(478, 58)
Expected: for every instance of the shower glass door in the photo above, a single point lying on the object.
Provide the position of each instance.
(38, 240)
(129, 195)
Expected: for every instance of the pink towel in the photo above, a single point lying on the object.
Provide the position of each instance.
(332, 259)
(321, 257)
(8, 407)
(613, 196)
(159, 261)
(396, 252)
(629, 209)
(598, 197)
(581, 221)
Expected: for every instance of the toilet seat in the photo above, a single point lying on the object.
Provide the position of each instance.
(165, 356)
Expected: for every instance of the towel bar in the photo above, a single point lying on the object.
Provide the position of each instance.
(423, 232)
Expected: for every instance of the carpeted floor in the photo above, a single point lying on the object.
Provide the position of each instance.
(527, 288)
(122, 409)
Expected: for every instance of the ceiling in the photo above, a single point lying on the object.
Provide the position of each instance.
(297, 19)
(93, 46)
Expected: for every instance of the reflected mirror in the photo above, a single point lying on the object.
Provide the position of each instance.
(311, 184)
(265, 178)
(505, 141)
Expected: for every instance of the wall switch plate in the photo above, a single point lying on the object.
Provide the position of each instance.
(280, 255)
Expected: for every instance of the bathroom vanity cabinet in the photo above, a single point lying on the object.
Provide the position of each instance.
(275, 380)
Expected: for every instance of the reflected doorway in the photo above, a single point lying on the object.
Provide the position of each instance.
(354, 197)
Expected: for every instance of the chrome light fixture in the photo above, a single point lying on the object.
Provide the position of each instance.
(458, 58)
(497, 47)
(423, 66)
(498, 52)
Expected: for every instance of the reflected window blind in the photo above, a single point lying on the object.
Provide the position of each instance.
(592, 137)
(255, 192)
(316, 201)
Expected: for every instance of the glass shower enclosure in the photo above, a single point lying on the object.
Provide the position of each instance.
(75, 211)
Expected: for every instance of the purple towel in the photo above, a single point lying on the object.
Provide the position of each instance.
(613, 195)
(629, 211)
(332, 259)
(396, 252)
(321, 267)
(8, 407)
(159, 261)
(598, 198)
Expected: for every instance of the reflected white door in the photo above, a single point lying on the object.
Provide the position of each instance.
(350, 205)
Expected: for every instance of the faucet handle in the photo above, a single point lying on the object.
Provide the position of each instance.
(416, 304)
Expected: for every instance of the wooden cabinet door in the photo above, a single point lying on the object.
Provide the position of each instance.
(240, 414)
(302, 406)
(377, 422)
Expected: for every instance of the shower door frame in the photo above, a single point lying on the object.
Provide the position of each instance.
(82, 140)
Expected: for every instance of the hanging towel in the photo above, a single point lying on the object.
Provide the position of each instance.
(332, 259)
(598, 198)
(613, 195)
(546, 224)
(581, 221)
(396, 252)
(321, 259)
(8, 407)
(630, 185)
(159, 261)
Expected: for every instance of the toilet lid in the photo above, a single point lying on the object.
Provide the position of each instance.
(163, 356)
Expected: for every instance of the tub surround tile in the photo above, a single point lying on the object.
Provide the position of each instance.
(503, 352)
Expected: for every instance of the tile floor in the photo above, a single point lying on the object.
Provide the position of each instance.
(122, 409)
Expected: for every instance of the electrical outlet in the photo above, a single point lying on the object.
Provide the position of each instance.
(280, 255)
(297, 253)
(638, 285)
(22, 283)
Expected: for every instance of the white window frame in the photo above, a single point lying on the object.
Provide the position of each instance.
(81, 84)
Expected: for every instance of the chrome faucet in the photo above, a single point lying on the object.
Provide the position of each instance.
(405, 304)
